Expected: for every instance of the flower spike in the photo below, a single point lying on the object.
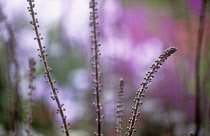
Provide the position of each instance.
(43, 55)
(144, 85)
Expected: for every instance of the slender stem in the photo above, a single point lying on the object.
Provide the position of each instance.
(197, 67)
(48, 69)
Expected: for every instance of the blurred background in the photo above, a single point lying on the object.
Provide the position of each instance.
(133, 33)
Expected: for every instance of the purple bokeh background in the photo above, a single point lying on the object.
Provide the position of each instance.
(133, 35)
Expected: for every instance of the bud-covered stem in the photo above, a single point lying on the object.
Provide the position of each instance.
(95, 64)
(42, 56)
(144, 85)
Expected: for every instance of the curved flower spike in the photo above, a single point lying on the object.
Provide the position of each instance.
(144, 85)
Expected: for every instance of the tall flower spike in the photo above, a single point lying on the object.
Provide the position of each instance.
(32, 70)
(144, 85)
(42, 55)
(119, 111)
(95, 64)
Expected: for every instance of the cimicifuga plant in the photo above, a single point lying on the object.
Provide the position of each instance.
(144, 85)
(48, 70)
(32, 70)
(95, 64)
(119, 111)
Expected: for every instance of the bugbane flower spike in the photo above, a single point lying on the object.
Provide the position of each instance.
(95, 64)
(144, 85)
(43, 55)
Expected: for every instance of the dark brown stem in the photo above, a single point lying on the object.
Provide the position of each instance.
(95, 64)
(144, 85)
(51, 82)
(197, 67)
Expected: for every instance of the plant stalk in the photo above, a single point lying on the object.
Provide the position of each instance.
(197, 67)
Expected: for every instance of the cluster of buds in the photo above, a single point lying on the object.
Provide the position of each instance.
(43, 55)
(95, 64)
(144, 85)
(119, 111)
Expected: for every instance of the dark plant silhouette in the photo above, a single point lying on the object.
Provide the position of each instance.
(197, 67)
